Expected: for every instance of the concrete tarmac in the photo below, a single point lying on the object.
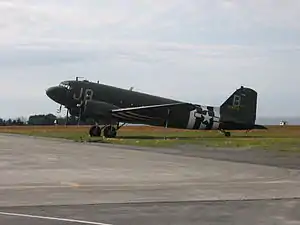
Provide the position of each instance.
(48, 181)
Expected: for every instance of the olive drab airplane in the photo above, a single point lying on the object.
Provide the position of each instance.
(115, 107)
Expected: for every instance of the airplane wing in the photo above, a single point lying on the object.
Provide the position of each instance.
(149, 112)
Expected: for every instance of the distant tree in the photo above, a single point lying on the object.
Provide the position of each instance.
(49, 119)
(41, 119)
(46, 119)
(23, 119)
(19, 122)
(8, 122)
(34, 120)
(2, 122)
(60, 120)
(13, 121)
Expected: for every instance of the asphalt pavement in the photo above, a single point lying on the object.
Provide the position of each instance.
(49, 181)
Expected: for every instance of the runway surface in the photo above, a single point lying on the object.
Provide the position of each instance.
(45, 181)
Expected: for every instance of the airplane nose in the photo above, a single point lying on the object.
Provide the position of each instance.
(49, 91)
(57, 94)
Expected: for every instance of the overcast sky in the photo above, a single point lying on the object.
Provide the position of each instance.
(198, 51)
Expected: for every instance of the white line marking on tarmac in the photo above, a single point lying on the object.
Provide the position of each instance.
(149, 185)
(52, 218)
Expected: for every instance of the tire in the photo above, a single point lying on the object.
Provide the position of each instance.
(95, 131)
(110, 132)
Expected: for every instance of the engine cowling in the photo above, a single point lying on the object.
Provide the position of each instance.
(97, 109)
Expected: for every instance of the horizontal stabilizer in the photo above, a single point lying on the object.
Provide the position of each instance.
(260, 127)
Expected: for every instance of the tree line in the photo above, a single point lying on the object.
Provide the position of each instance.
(44, 119)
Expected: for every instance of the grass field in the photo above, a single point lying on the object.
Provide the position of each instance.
(285, 138)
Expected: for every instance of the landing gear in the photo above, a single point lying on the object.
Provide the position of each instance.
(226, 133)
(109, 131)
(95, 131)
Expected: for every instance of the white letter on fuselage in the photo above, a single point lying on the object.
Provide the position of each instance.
(89, 94)
(79, 97)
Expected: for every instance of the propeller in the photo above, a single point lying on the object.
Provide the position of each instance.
(67, 117)
(59, 109)
(81, 107)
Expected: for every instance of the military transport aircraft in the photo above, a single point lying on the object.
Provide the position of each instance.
(116, 106)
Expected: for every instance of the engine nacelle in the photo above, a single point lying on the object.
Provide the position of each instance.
(97, 109)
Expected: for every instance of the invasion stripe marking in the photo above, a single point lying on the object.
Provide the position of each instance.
(216, 118)
(192, 119)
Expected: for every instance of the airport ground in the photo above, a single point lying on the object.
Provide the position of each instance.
(283, 138)
(182, 180)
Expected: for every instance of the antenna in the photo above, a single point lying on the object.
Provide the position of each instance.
(78, 78)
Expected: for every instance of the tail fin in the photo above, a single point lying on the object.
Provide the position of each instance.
(240, 107)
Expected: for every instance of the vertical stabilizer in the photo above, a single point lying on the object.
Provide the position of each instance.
(240, 107)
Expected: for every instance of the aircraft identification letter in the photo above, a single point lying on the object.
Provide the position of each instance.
(88, 94)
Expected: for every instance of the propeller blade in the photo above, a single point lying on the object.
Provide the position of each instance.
(67, 117)
(81, 108)
(79, 116)
(59, 109)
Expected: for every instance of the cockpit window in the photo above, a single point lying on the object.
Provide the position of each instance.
(65, 85)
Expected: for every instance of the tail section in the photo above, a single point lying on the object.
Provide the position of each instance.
(240, 108)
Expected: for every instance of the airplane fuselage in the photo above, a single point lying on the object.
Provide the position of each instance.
(113, 105)
(184, 118)
(195, 117)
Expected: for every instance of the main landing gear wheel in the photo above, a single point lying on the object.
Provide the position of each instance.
(95, 131)
(110, 132)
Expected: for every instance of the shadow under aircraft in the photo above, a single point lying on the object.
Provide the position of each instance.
(113, 107)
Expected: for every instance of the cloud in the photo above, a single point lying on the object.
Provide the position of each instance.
(144, 19)
(196, 51)
(25, 57)
(61, 51)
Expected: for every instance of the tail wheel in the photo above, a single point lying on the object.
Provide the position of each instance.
(95, 131)
(110, 132)
(227, 134)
